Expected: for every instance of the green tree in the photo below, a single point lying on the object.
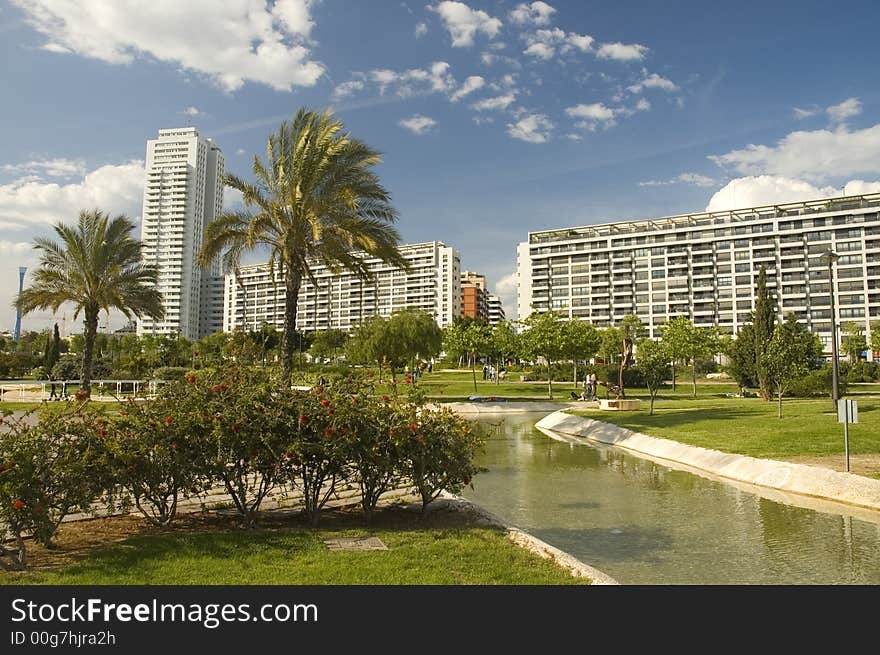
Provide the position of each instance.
(469, 338)
(580, 342)
(415, 334)
(505, 342)
(328, 344)
(652, 360)
(544, 338)
(875, 335)
(854, 342)
(741, 357)
(53, 349)
(96, 265)
(316, 199)
(677, 333)
(790, 355)
(764, 323)
(630, 331)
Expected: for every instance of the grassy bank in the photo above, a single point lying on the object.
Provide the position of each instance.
(205, 549)
(749, 426)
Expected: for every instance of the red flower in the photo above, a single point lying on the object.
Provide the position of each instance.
(420, 439)
(385, 398)
(390, 432)
(325, 402)
(103, 432)
(195, 353)
(168, 420)
(173, 446)
(302, 419)
(131, 469)
(235, 428)
(18, 504)
(191, 377)
(328, 432)
(216, 387)
(413, 427)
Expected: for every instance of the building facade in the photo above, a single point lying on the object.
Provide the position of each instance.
(183, 193)
(705, 266)
(496, 309)
(474, 296)
(341, 300)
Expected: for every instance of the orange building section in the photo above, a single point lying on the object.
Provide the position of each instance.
(472, 302)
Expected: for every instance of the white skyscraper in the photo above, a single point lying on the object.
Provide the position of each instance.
(183, 193)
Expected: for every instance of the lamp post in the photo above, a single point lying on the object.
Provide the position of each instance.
(832, 257)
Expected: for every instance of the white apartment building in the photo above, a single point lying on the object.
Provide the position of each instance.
(495, 309)
(705, 266)
(183, 193)
(340, 300)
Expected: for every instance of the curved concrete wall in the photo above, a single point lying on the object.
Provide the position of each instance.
(810, 481)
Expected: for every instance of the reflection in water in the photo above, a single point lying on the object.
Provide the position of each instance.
(644, 523)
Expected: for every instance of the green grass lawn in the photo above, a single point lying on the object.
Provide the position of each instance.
(296, 555)
(749, 426)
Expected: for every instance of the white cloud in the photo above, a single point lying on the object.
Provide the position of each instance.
(58, 167)
(493, 104)
(240, 151)
(765, 190)
(593, 115)
(533, 128)
(800, 114)
(643, 105)
(421, 30)
(543, 44)
(417, 124)
(536, 13)
(470, 85)
(463, 23)
(541, 51)
(193, 111)
(348, 88)
(574, 137)
(33, 202)
(693, 179)
(229, 42)
(505, 288)
(860, 187)
(622, 51)
(436, 79)
(846, 109)
(652, 81)
(482, 120)
(816, 156)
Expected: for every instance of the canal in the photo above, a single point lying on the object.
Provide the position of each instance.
(642, 522)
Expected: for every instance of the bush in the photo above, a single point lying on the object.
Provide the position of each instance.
(705, 366)
(47, 471)
(170, 373)
(818, 383)
(863, 372)
(153, 455)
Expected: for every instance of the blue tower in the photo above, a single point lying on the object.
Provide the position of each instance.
(17, 333)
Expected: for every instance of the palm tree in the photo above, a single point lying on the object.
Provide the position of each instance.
(315, 200)
(96, 265)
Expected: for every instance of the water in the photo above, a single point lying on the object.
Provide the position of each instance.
(645, 523)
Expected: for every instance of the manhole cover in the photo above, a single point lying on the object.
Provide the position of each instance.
(355, 543)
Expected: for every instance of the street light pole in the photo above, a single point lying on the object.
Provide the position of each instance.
(832, 257)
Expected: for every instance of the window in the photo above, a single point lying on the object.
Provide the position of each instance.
(658, 274)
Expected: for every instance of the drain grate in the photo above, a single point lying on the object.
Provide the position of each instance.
(355, 543)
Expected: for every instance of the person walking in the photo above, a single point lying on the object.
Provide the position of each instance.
(594, 386)
(52, 394)
(64, 389)
(485, 371)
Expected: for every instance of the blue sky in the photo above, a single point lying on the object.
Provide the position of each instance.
(495, 118)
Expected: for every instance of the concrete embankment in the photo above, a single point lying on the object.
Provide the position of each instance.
(780, 477)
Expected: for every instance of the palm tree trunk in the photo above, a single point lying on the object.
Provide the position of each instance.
(291, 297)
(90, 325)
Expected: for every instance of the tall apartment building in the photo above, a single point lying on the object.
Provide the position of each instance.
(474, 296)
(183, 193)
(495, 309)
(705, 266)
(341, 300)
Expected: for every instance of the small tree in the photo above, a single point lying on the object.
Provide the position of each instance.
(741, 357)
(544, 338)
(630, 330)
(790, 355)
(505, 342)
(469, 338)
(652, 360)
(764, 324)
(328, 344)
(580, 342)
(677, 334)
(875, 335)
(854, 342)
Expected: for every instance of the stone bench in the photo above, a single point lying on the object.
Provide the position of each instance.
(619, 405)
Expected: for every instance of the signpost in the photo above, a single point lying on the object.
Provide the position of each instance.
(847, 412)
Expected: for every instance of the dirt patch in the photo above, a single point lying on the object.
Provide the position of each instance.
(77, 539)
(866, 465)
